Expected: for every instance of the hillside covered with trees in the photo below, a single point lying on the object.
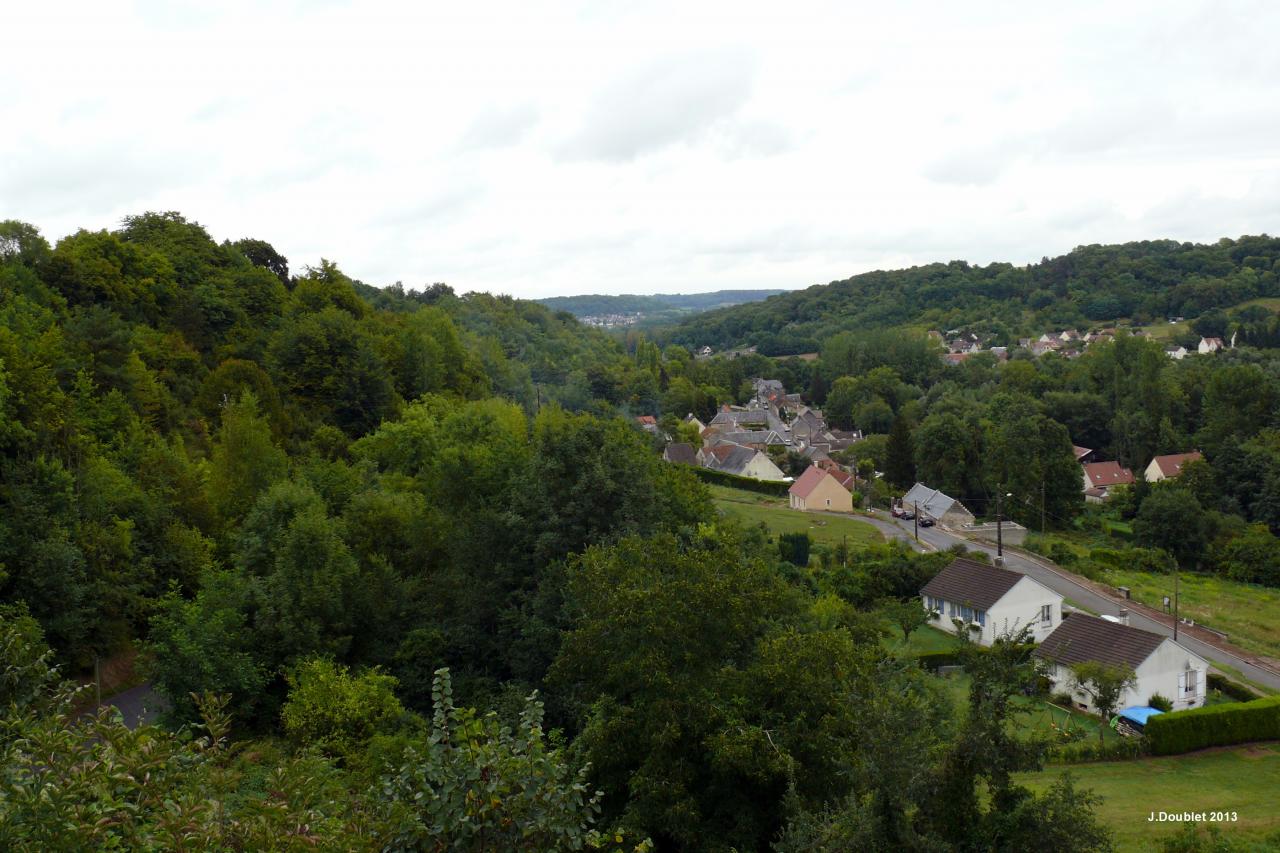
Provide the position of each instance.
(1142, 282)
(331, 520)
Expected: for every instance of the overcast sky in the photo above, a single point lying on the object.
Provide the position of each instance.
(541, 149)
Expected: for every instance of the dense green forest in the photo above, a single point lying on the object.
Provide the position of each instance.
(1091, 285)
(334, 519)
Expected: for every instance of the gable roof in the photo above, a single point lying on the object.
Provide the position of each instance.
(1080, 452)
(1103, 474)
(647, 420)
(1171, 465)
(970, 582)
(933, 502)
(737, 459)
(1082, 638)
(810, 479)
(681, 453)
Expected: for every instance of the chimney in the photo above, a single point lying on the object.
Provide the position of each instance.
(998, 562)
(1124, 616)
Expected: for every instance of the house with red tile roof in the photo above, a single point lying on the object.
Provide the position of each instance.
(818, 489)
(1164, 467)
(1099, 477)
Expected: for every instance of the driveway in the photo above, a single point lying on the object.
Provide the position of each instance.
(1081, 594)
(138, 705)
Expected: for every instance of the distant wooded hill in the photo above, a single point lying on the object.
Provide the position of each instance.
(594, 305)
(1091, 285)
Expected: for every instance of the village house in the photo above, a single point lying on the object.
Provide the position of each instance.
(818, 489)
(740, 461)
(1165, 467)
(1083, 454)
(1177, 353)
(1100, 477)
(680, 453)
(1161, 665)
(992, 601)
(648, 423)
(691, 419)
(943, 509)
(1208, 345)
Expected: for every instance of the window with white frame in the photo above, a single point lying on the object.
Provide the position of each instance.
(1191, 682)
(1046, 614)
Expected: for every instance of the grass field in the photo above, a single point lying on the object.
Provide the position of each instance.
(1165, 330)
(1250, 614)
(1243, 779)
(751, 508)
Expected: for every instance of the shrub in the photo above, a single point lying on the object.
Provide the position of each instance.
(932, 660)
(1088, 749)
(724, 478)
(1225, 685)
(1220, 725)
(336, 711)
(1061, 553)
(794, 548)
(1062, 699)
(1160, 703)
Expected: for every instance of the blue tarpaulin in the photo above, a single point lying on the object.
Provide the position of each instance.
(1139, 714)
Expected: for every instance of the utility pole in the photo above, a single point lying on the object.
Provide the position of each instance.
(1175, 602)
(915, 520)
(999, 528)
(1042, 507)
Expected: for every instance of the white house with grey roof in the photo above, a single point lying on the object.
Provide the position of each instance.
(1160, 665)
(943, 509)
(991, 601)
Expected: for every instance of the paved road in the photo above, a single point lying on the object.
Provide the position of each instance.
(137, 705)
(1064, 584)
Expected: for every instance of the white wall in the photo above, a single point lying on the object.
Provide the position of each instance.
(1160, 673)
(1017, 608)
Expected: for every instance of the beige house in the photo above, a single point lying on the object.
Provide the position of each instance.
(817, 489)
(1164, 467)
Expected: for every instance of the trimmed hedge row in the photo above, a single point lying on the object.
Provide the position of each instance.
(933, 660)
(1230, 688)
(1219, 725)
(1088, 749)
(733, 481)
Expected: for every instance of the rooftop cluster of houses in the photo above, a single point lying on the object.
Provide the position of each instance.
(1098, 478)
(738, 438)
(610, 321)
(1069, 343)
(992, 601)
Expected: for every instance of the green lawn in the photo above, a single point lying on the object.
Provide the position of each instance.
(1250, 614)
(751, 508)
(1243, 779)
(1043, 717)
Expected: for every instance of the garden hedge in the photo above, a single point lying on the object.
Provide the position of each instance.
(933, 660)
(733, 481)
(1219, 725)
(1230, 688)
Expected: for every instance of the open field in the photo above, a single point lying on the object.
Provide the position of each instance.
(1250, 614)
(751, 508)
(1244, 780)
(1164, 330)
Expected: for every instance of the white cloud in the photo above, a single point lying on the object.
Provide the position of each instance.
(587, 147)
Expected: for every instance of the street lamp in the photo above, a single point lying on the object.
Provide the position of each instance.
(1000, 523)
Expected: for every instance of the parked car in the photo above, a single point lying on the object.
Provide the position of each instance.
(907, 515)
(897, 511)
(926, 521)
